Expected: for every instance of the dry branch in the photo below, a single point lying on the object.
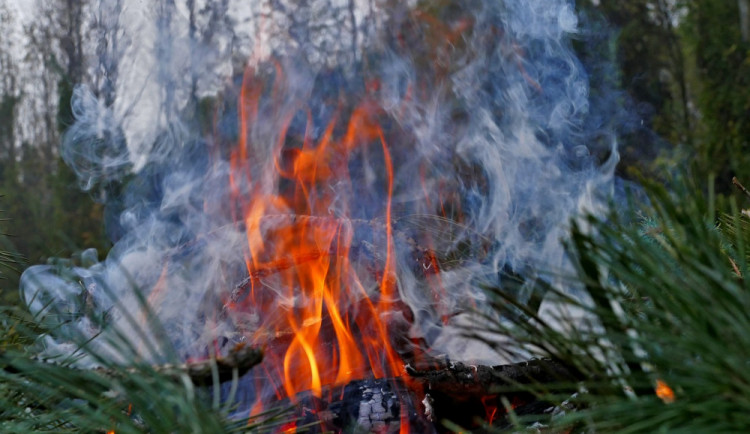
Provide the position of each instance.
(240, 360)
(741, 187)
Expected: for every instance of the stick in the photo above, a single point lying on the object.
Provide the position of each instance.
(241, 359)
(741, 187)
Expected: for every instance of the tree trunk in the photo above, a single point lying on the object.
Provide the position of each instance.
(744, 6)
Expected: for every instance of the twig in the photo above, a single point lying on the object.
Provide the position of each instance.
(741, 187)
(735, 268)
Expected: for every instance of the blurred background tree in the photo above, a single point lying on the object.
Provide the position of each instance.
(640, 42)
(717, 42)
(684, 66)
(41, 61)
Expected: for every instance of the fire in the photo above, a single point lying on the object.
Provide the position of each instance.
(321, 325)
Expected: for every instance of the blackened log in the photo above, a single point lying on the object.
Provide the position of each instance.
(480, 379)
(472, 395)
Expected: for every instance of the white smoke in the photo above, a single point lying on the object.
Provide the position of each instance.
(490, 109)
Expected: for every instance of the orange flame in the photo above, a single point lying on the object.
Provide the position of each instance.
(322, 328)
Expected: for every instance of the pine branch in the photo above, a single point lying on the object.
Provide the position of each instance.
(665, 323)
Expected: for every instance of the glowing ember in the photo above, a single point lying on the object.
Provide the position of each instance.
(490, 408)
(664, 392)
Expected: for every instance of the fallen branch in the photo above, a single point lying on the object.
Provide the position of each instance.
(238, 362)
(235, 364)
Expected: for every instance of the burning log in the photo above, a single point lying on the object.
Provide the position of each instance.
(464, 394)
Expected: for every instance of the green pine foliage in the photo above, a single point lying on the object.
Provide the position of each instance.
(55, 396)
(661, 342)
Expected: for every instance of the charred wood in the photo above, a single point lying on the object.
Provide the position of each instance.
(480, 379)
(374, 405)
(468, 395)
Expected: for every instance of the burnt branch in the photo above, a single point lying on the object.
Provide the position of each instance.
(473, 395)
(460, 378)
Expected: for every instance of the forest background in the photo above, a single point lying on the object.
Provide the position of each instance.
(683, 68)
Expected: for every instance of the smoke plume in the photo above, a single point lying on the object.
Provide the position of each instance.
(493, 138)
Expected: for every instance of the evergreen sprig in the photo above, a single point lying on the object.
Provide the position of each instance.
(39, 395)
(662, 321)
